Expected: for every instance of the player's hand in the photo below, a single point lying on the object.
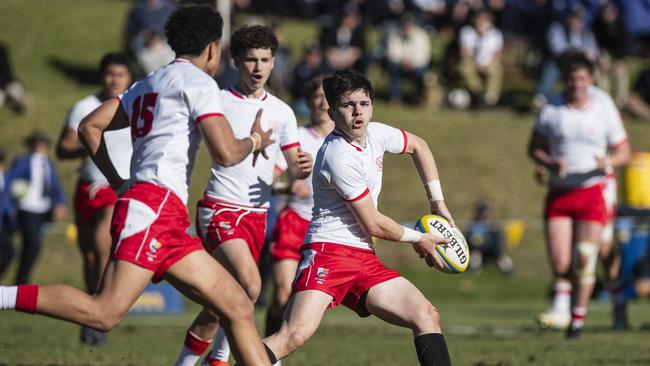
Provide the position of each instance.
(604, 163)
(559, 167)
(425, 248)
(265, 135)
(439, 208)
(305, 162)
(540, 174)
(300, 189)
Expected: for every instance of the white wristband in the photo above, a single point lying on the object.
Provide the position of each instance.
(253, 141)
(434, 190)
(410, 235)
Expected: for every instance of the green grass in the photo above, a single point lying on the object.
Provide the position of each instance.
(487, 318)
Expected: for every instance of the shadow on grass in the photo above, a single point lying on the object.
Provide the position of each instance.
(81, 73)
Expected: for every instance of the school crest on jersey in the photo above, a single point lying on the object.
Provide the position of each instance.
(380, 163)
(154, 245)
(321, 273)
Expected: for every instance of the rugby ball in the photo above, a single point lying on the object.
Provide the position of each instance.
(455, 254)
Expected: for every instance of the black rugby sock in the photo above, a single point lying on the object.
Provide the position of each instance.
(432, 350)
(271, 355)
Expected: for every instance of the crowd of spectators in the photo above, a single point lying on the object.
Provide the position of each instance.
(476, 34)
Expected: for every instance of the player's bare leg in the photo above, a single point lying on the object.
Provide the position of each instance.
(399, 302)
(559, 247)
(301, 319)
(203, 280)
(588, 239)
(283, 274)
(122, 283)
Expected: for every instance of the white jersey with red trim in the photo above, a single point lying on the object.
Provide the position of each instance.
(344, 172)
(310, 141)
(243, 184)
(118, 143)
(164, 110)
(577, 136)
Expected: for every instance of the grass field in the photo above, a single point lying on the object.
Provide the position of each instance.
(487, 318)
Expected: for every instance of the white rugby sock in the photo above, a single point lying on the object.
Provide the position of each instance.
(8, 295)
(562, 297)
(221, 348)
(187, 358)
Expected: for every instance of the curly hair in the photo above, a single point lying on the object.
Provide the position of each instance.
(256, 36)
(345, 81)
(190, 29)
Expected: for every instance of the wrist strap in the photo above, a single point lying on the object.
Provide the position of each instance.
(410, 235)
(253, 141)
(434, 190)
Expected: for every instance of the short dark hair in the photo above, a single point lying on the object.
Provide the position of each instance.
(572, 60)
(113, 58)
(35, 138)
(312, 85)
(345, 81)
(255, 36)
(190, 29)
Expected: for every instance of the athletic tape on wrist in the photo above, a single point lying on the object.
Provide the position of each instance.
(257, 141)
(410, 235)
(434, 190)
(253, 141)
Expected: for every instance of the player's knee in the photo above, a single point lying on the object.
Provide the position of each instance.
(427, 318)
(296, 339)
(282, 293)
(239, 309)
(587, 261)
(110, 320)
(253, 290)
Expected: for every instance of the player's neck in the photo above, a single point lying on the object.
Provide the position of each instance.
(322, 127)
(249, 92)
(578, 101)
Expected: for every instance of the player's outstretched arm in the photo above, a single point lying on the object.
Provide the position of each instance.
(383, 227)
(225, 148)
(428, 171)
(109, 116)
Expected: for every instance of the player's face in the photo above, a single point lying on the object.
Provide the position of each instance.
(255, 67)
(116, 80)
(577, 82)
(352, 113)
(318, 105)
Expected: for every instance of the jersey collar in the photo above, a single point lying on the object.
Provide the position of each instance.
(240, 95)
(338, 133)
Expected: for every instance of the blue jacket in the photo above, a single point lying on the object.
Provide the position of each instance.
(21, 169)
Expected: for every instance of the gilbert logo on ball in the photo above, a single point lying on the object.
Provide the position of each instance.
(455, 254)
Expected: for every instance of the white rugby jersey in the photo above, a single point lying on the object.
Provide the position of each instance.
(578, 135)
(243, 184)
(310, 141)
(344, 172)
(118, 143)
(164, 110)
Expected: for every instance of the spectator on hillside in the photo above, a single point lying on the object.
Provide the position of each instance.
(573, 34)
(37, 197)
(344, 44)
(310, 65)
(282, 74)
(486, 241)
(6, 226)
(11, 90)
(481, 46)
(408, 52)
(145, 33)
(638, 103)
(614, 41)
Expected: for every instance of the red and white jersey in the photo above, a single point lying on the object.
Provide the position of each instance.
(577, 136)
(310, 141)
(344, 172)
(164, 110)
(118, 143)
(243, 184)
